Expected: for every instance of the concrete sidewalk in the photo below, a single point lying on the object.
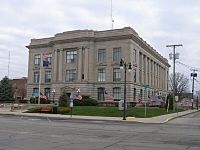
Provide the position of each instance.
(158, 119)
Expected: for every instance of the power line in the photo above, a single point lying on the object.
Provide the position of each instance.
(187, 66)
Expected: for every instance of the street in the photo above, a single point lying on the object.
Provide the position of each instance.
(31, 133)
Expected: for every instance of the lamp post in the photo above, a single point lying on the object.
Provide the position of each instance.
(78, 91)
(124, 65)
(193, 75)
(53, 91)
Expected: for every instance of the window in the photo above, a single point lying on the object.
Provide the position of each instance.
(101, 55)
(35, 91)
(134, 55)
(117, 54)
(100, 94)
(47, 92)
(134, 94)
(47, 76)
(49, 58)
(37, 59)
(116, 74)
(117, 93)
(101, 75)
(71, 56)
(36, 77)
(134, 75)
(70, 75)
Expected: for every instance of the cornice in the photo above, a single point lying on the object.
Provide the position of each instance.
(96, 38)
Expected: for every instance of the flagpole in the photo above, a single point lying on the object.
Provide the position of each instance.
(40, 78)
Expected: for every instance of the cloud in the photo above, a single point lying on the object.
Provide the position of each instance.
(159, 22)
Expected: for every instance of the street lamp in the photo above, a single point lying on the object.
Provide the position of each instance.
(193, 75)
(124, 65)
(78, 91)
(53, 91)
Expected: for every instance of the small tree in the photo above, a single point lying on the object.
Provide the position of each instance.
(169, 102)
(64, 99)
(6, 93)
(181, 83)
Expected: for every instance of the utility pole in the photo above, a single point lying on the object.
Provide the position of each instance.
(174, 56)
(193, 75)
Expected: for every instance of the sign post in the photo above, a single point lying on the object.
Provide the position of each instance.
(145, 101)
(71, 103)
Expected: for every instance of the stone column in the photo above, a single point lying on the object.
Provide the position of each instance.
(142, 69)
(138, 66)
(86, 64)
(153, 73)
(79, 67)
(158, 76)
(150, 73)
(145, 70)
(60, 70)
(55, 66)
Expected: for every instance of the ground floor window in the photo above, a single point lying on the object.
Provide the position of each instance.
(117, 93)
(134, 94)
(35, 92)
(100, 94)
(47, 92)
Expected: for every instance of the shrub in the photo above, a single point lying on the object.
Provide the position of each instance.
(86, 101)
(34, 100)
(64, 99)
(23, 101)
(63, 110)
(34, 110)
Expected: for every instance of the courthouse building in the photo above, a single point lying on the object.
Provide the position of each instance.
(89, 60)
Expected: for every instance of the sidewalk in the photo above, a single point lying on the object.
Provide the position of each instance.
(158, 119)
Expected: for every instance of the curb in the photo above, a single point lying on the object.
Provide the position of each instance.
(172, 118)
(96, 119)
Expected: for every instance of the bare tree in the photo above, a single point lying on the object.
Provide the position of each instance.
(181, 83)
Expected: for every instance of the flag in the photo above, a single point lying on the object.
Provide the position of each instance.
(45, 63)
(45, 55)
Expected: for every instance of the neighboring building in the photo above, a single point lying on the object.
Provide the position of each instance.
(89, 60)
(19, 87)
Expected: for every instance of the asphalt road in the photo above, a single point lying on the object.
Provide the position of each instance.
(28, 133)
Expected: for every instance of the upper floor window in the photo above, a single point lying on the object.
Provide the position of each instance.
(117, 54)
(116, 74)
(71, 56)
(134, 75)
(36, 77)
(117, 93)
(49, 58)
(101, 55)
(37, 59)
(71, 75)
(47, 76)
(134, 55)
(101, 75)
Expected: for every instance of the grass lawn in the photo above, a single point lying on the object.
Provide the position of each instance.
(114, 112)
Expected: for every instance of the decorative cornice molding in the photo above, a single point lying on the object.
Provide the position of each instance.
(121, 34)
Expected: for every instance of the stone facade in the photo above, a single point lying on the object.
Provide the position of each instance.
(87, 60)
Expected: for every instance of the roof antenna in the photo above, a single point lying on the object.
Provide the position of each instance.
(8, 64)
(111, 17)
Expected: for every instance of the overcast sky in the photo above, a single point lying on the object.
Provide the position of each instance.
(159, 22)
